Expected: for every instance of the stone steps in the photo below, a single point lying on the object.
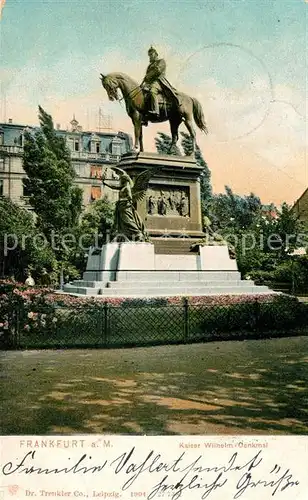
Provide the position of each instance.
(164, 276)
(150, 284)
(158, 291)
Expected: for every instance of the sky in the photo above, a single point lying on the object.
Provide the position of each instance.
(245, 61)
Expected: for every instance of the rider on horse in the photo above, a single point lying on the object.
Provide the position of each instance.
(155, 82)
(174, 106)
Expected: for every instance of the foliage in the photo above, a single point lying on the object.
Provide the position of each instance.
(229, 211)
(50, 176)
(282, 313)
(93, 231)
(263, 236)
(205, 180)
(260, 277)
(163, 145)
(96, 223)
(56, 201)
(22, 239)
(293, 271)
(40, 317)
(266, 244)
(288, 227)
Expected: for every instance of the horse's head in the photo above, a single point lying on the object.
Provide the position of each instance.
(111, 86)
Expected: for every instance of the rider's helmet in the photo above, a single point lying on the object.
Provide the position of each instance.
(152, 51)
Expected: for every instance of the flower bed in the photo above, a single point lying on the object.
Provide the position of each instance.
(33, 316)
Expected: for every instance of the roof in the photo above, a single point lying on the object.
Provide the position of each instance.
(107, 133)
(301, 196)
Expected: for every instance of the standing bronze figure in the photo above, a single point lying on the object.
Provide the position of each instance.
(127, 224)
(155, 100)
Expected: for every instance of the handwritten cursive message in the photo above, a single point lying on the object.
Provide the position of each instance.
(185, 471)
(185, 474)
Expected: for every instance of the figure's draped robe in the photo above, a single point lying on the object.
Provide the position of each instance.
(127, 221)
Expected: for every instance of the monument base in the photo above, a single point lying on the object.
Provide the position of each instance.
(133, 269)
(172, 204)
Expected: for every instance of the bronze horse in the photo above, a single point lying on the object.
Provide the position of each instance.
(184, 108)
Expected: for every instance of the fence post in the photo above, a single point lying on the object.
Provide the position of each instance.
(186, 319)
(105, 323)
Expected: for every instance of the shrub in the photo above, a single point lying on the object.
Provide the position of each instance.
(282, 313)
(40, 315)
(141, 302)
(261, 276)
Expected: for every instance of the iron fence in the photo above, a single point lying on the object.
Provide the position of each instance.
(139, 324)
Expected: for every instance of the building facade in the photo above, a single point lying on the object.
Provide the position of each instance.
(300, 207)
(92, 154)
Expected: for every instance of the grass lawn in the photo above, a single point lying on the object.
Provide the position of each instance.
(249, 387)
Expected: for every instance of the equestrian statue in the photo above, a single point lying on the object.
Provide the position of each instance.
(155, 100)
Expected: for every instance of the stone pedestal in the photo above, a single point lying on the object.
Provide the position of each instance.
(107, 263)
(172, 205)
(166, 266)
(134, 270)
(213, 258)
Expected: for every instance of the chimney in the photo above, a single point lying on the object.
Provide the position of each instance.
(10, 120)
(58, 126)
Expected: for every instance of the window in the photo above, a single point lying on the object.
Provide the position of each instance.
(1, 187)
(95, 193)
(1, 164)
(76, 146)
(94, 144)
(116, 146)
(96, 172)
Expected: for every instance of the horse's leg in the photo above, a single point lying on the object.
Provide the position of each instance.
(141, 139)
(174, 127)
(192, 133)
(137, 130)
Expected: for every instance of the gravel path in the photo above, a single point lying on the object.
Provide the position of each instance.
(250, 387)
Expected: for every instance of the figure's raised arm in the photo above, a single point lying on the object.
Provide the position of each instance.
(118, 171)
(115, 188)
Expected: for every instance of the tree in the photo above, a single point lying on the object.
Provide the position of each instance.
(163, 145)
(55, 199)
(205, 180)
(94, 230)
(96, 222)
(230, 211)
(267, 244)
(22, 246)
(288, 228)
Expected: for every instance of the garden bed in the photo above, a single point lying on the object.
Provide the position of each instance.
(36, 317)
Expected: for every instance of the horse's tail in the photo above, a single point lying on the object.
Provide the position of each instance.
(199, 116)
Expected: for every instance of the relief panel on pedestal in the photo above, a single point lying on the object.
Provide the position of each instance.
(168, 201)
